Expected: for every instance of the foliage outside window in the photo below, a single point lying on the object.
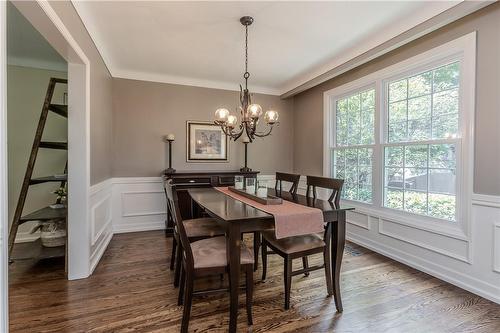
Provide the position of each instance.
(420, 153)
(354, 140)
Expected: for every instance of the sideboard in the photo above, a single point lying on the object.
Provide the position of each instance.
(185, 180)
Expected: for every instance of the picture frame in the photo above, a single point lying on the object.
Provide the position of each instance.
(206, 142)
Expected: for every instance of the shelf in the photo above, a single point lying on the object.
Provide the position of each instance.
(47, 179)
(35, 250)
(60, 109)
(45, 214)
(54, 145)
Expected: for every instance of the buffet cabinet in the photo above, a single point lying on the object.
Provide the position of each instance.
(185, 180)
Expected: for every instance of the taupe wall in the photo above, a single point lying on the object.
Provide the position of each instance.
(143, 112)
(308, 106)
(100, 94)
(26, 88)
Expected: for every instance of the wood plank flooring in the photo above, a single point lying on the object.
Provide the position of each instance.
(131, 291)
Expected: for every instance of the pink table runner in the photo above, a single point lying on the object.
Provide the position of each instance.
(290, 219)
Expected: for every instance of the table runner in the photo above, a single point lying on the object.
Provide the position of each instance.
(290, 219)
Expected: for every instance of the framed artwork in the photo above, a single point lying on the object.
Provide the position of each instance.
(206, 142)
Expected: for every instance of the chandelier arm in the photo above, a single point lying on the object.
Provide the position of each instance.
(266, 133)
(231, 133)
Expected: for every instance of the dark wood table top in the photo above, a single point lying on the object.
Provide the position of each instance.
(233, 210)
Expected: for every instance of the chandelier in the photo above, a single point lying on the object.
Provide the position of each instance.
(250, 113)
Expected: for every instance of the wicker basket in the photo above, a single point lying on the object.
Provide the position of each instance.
(53, 234)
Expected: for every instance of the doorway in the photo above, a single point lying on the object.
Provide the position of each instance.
(45, 20)
(37, 136)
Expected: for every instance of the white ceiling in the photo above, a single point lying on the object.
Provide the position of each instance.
(201, 43)
(26, 47)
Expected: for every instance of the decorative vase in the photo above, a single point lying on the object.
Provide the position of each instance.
(57, 206)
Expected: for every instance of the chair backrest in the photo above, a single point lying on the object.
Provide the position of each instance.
(287, 177)
(173, 202)
(327, 183)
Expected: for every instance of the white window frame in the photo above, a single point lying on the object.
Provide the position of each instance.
(333, 138)
(462, 49)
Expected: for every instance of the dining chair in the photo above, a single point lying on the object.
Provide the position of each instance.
(278, 187)
(291, 248)
(202, 258)
(287, 177)
(196, 229)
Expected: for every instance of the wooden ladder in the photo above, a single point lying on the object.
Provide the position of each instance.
(45, 214)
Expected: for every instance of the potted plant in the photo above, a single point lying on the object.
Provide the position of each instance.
(61, 199)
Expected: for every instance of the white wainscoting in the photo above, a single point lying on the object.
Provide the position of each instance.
(101, 219)
(496, 248)
(472, 263)
(138, 204)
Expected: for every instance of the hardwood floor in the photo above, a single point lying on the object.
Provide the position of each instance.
(131, 291)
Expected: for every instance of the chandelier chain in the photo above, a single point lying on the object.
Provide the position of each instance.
(247, 74)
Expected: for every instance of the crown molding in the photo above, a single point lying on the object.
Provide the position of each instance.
(187, 81)
(400, 33)
(37, 63)
(396, 36)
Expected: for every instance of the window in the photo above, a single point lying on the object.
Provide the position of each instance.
(419, 157)
(401, 138)
(353, 144)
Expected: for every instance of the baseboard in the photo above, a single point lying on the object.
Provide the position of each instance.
(148, 226)
(466, 282)
(98, 253)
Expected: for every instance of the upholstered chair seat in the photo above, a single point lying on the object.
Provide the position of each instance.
(211, 252)
(202, 227)
(296, 244)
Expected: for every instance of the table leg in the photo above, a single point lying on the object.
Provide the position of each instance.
(233, 244)
(338, 245)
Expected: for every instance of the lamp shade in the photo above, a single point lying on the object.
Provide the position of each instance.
(254, 111)
(271, 117)
(231, 121)
(221, 115)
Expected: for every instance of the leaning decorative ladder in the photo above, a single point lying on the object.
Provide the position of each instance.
(46, 214)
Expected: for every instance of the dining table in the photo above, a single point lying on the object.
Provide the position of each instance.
(238, 217)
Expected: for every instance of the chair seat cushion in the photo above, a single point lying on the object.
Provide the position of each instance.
(294, 244)
(203, 227)
(211, 252)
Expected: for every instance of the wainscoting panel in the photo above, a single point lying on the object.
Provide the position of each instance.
(101, 219)
(139, 204)
(496, 251)
(359, 219)
(453, 248)
(472, 263)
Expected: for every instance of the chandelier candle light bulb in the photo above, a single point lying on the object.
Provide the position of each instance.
(254, 111)
(250, 112)
(271, 117)
(221, 115)
(231, 121)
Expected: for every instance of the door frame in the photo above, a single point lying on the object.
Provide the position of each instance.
(45, 19)
(4, 222)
